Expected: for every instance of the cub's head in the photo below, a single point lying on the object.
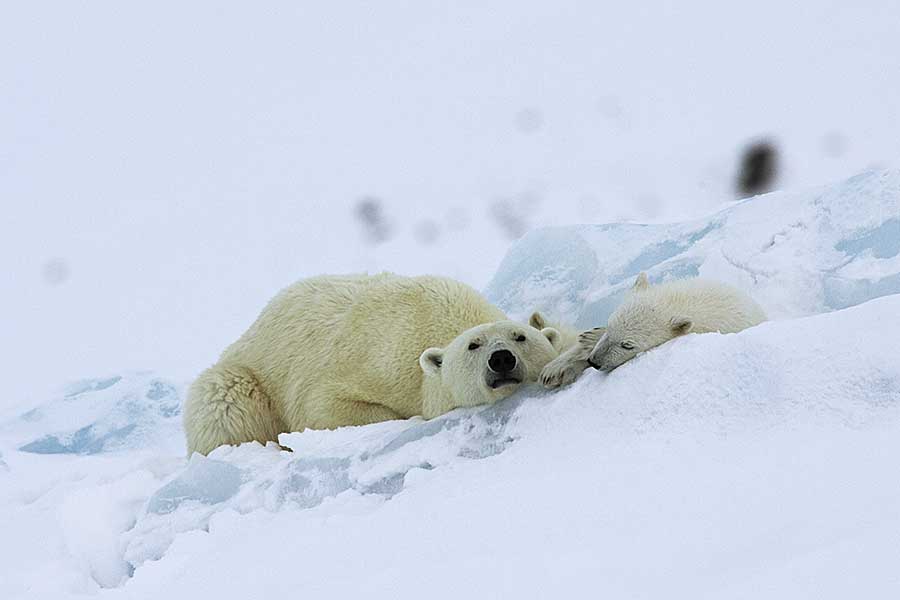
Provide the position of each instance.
(487, 363)
(636, 326)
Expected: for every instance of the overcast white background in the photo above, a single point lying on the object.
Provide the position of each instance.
(166, 167)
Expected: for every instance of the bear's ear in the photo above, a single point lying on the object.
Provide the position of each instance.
(431, 361)
(537, 320)
(681, 325)
(641, 283)
(552, 336)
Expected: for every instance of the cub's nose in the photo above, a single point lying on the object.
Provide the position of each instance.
(502, 361)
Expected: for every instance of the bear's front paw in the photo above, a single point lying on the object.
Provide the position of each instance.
(562, 371)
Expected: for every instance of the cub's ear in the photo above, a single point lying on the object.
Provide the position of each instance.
(553, 337)
(537, 320)
(681, 325)
(431, 361)
(641, 283)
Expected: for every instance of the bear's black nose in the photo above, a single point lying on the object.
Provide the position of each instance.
(502, 361)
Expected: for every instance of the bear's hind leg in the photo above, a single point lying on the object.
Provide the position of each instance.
(226, 405)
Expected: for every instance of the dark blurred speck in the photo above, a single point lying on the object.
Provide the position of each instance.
(426, 232)
(609, 107)
(375, 225)
(758, 170)
(55, 271)
(529, 120)
(508, 219)
(512, 215)
(457, 218)
(648, 205)
(834, 144)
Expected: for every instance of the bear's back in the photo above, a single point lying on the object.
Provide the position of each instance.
(357, 330)
(711, 305)
(401, 317)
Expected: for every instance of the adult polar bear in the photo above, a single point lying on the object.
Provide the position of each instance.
(351, 350)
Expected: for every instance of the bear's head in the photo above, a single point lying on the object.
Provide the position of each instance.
(485, 364)
(636, 326)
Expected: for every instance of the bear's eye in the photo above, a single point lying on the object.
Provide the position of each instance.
(627, 345)
(520, 338)
(474, 346)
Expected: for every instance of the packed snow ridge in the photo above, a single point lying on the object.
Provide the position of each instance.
(113, 447)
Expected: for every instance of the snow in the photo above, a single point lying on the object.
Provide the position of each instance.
(728, 465)
(100, 415)
(796, 253)
(371, 461)
(166, 168)
(738, 465)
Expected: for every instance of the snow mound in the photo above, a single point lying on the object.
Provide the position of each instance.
(714, 461)
(767, 378)
(370, 461)
(796, 253)
(100, 415)
(707, 435)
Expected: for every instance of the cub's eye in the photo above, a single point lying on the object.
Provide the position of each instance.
(627, 345)
(520, 338)
(474, 346)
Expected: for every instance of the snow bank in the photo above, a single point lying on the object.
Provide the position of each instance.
(837, 369)
(374, 461)
(742, 465)
(797, 253)
(758, 411)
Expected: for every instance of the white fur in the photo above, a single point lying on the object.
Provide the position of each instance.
(654, 314)
(350, 350)
(566, 368)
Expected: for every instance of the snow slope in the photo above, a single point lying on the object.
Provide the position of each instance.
(707, 469)
(758, 464)
(797, 253)
(720, 465)
(165, 167)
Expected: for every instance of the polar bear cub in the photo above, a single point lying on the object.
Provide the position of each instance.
(332, 351)
(652, 315)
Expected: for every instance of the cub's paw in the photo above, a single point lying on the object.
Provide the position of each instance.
(562, 371)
